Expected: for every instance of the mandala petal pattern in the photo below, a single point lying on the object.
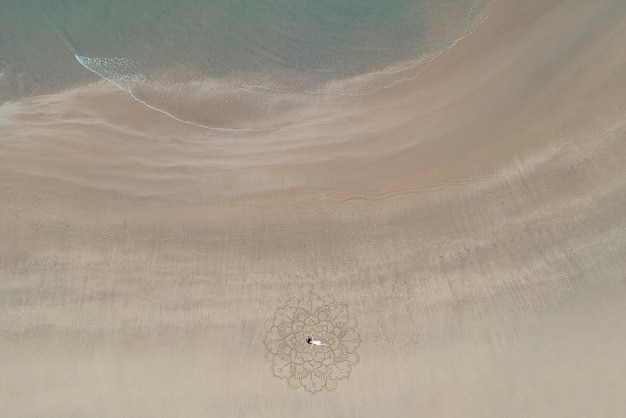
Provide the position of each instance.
(311, 367)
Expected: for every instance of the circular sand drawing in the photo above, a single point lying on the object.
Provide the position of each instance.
(308, 365)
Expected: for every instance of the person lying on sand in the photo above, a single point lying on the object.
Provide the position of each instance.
(313, 342)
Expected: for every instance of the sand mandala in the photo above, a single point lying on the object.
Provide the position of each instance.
(311, 342)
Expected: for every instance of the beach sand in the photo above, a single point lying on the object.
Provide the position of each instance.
(471, 219)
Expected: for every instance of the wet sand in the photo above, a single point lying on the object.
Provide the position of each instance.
(471, 219)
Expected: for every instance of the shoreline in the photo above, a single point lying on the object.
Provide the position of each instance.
(282, 90)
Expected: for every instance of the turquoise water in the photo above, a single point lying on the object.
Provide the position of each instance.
(318, 40)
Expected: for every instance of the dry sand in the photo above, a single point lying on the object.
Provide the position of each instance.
(472, 219)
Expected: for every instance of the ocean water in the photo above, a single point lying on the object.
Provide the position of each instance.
(185, 55)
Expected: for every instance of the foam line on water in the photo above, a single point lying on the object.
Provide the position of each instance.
(126, 75)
